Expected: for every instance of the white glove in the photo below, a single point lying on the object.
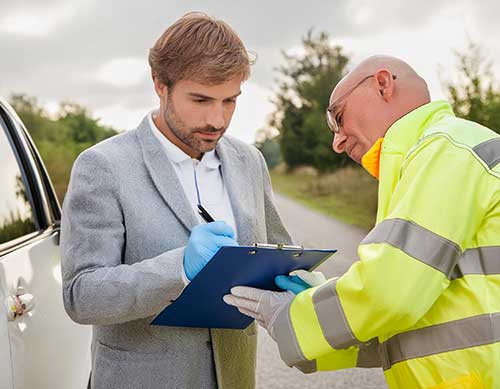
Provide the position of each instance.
(261, 305)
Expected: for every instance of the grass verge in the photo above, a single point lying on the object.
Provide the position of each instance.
(349, 194)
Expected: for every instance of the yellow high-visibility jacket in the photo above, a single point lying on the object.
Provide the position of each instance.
(423, 301)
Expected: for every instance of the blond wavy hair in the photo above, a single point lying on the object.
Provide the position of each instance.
(200, 48)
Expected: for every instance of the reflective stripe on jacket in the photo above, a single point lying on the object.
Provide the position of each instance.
(423, 301)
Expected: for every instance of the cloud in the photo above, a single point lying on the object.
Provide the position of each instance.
(123, 72)
(36, 19)
(95, 52)
(251, 112)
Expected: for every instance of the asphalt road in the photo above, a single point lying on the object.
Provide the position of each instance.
(312, 229)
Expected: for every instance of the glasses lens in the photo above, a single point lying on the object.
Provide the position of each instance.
(332, 123)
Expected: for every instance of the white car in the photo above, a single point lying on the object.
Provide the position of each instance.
(40, 347)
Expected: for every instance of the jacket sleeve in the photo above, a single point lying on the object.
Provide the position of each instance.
(97, 287)
(405, 261)
(364, 355)
(276, 231)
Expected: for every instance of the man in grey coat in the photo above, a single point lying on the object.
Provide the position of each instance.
(131, 238)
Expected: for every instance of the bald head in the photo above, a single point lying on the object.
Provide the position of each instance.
(370, 98)
(372, 65)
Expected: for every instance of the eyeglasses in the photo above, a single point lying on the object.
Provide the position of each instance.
(335, 122)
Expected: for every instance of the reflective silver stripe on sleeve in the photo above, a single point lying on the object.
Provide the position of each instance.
(480, 260)
(454, 335)
(307, 366)
(489, 152)
(284, 334)
(368, 354)
(331, 317)
(418, 242)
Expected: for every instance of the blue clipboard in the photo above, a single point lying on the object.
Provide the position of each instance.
(200, 305)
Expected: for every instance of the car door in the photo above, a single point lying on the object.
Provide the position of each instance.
(45, 348)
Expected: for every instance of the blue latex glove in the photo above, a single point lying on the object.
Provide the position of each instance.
(292, 283)
(204, 242)
(299, 280)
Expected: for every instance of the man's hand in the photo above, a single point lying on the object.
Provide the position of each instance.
(300, 280)
(204, 242)
(261, 305)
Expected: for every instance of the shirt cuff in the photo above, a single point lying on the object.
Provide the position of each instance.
(185, 280)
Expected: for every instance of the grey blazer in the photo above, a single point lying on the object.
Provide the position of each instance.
(126, 221)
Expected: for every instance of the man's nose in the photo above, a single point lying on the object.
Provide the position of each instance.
(338, 144)
(216, 117)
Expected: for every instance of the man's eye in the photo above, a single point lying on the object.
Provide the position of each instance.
(230, 101)
(200, 100)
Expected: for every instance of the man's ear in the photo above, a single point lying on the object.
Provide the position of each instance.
(160, 88)
(385, 83)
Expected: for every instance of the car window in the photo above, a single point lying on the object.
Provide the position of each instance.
(16, 214)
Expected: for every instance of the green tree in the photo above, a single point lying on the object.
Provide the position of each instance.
(61, 138)
(269, 146)
(32, 115)
(83, 128)
(474, 94)
(305, 83)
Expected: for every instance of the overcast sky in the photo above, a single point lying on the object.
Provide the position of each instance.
(95, 52)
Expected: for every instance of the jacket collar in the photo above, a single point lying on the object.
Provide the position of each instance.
(164, 177)
(235, 173)
(406, 131)
(398, 141)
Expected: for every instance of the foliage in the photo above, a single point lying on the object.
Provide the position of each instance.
(60, 139)
(15, 226)
(269, 146)
(306, 82)
(349, 194)
(82, 128)
(474, 95)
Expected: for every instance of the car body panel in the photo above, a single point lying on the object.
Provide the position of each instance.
(42, 348)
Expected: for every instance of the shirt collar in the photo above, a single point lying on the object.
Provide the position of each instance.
(175, 154)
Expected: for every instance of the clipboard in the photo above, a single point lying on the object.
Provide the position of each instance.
(200, 304)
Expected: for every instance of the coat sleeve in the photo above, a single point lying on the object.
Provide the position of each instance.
(97, 287)
(363, 355)
(432, 215)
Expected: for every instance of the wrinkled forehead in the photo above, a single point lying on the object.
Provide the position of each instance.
(336, 93)
(345, 85)
(340, 90)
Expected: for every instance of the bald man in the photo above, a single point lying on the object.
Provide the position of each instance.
(423, 301)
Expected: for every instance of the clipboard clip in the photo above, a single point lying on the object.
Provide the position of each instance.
(279, 246)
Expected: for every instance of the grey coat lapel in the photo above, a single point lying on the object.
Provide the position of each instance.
(164, 177)
(236, 176)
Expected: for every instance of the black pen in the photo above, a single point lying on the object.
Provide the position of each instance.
(204, 214)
